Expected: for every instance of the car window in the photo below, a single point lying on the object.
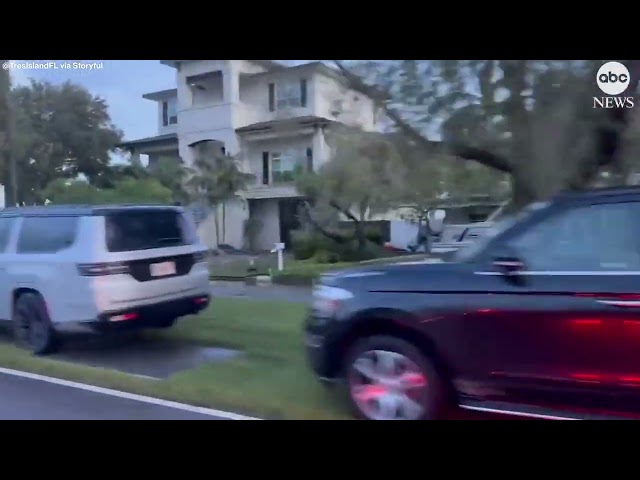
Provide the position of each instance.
(46, 234)
(591, 238)
(6, 224)
(147, 229)
(469, 252)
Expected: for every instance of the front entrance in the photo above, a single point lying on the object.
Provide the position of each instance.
(288, 209)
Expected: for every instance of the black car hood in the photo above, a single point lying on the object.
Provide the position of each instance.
(409, 276)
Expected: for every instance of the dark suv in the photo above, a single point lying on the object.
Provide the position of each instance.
(541, 319)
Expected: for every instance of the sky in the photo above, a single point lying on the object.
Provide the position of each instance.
(120, 82)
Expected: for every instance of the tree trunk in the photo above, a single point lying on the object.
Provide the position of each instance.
(361, 238)
(216, 225)
(224, 221)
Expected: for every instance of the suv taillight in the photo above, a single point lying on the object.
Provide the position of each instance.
(200, 257)
(101, 269)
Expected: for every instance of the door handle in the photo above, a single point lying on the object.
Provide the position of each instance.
(621, 303)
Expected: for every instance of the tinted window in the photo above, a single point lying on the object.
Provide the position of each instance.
(145, 229)
(592, 238)
(47, 234)
(5, 231)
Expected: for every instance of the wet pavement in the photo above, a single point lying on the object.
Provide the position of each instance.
(138, 355)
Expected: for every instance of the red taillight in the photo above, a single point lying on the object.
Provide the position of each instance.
(101, 269)
(201, 300)
(123, 317)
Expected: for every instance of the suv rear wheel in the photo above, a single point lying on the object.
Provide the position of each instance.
(390, 379)
(32, 326)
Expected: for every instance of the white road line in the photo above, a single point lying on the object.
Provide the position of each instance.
(129, 396)
(516, 414)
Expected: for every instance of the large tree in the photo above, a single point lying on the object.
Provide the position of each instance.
(360, 180)
(532, 120)
(126, 190)
(61, 131)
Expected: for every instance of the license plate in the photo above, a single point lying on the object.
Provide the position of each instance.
(162, 269)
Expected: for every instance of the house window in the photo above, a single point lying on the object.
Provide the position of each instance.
(288, 95)
(169, 112)
(286, 166)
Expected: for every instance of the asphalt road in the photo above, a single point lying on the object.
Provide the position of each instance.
(27, 399)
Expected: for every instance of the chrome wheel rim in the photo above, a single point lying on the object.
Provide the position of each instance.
(387, 385)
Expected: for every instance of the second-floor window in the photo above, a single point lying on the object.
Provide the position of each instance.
(285, 166)
(169, 112)
(287, 94)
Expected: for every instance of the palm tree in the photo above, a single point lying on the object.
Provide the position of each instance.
(214, 179)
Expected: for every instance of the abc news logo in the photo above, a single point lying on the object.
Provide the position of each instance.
(613, 79)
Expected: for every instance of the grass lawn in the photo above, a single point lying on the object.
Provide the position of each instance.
(299, 271)
(238, 267)
(271, 380)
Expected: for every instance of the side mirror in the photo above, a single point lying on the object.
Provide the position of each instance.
(435, 219)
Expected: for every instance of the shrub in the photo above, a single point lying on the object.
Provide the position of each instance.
(304, 245)
(304, 274)
(325, 256)
(374, 235)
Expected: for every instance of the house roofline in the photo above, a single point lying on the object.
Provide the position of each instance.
(264, 127)
(158, 140)
(268, 64)
(161, 94)
(322, 68)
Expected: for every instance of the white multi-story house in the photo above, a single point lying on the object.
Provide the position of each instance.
(272, 118)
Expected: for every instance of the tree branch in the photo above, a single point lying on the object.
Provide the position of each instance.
(333, 236)
(465, 152)
(610, 136)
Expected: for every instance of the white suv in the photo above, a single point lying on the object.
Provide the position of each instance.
(66, 268)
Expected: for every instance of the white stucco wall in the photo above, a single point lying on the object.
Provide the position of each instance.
(236, 212)
(162, 129)
(254, 94)
(356, 109)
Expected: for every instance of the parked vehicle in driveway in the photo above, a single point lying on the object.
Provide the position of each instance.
(69, 268)
(540, 319)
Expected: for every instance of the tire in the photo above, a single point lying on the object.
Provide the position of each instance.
(412, 389)
(32, 325)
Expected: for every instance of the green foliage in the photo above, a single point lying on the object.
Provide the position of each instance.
(215, 177)
(528, 126)
(304, 273)
(128, 190)
(304, 245)
(325, 256)
(61, 131)
(374, 235)
(321, 249)
(172, 174)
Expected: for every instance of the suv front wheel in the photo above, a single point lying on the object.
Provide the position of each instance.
(390, 379)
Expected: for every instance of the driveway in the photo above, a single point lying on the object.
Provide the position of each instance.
(31, 399)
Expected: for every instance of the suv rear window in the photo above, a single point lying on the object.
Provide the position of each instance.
(146, 229)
